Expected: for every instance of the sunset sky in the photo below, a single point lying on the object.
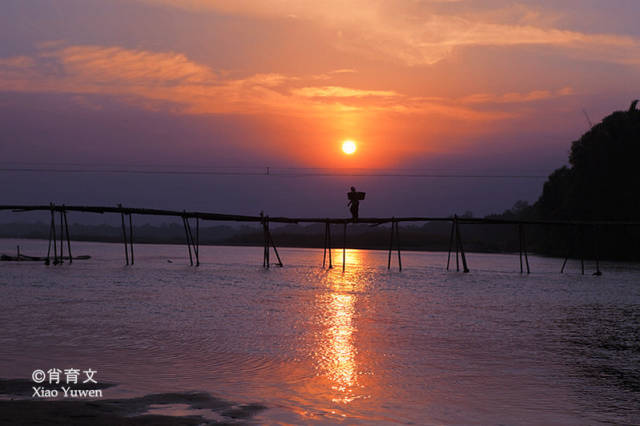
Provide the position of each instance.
(444, 86)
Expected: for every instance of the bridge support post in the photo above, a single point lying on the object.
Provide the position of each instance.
(327, 245)
(268, 241)
(131, 236)
(569, 252)
(51, 233)
(523, 248)
(275, 249)
(344, 247)
(395, 236)
(53, 229)
(66, 227)
(194, 243)
(197, 246)
(459, 243)
(453, 228)
(596, 237)
(582, 249)
(186, 233)
(61, 237)
(520, 247)
(124, 235)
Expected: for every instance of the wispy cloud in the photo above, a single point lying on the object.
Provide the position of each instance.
(420, 33)
(119, 65)
(515, 97)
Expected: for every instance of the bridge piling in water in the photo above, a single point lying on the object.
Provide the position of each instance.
(582, 250)
(327, 245)
(61, 238)
(344, 247)
(124, 235)
(268, 243)
(395, 237)
(131, 237)
(459, 243)
(66, 227)
(596, 237)
(453, 227)
(185, 223)
(523, 248)
(53, 230)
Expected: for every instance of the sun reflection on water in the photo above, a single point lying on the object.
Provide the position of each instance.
(340, 348)
(338, 351)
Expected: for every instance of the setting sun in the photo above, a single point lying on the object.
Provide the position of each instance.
(349, 147)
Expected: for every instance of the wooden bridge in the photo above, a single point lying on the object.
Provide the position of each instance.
(192, 236)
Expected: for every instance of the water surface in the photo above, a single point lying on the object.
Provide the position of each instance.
(421, 346)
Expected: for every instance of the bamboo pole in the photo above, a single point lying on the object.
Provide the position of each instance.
(266, 242)
(374, 220)
(596, 232)
(330, 255)
(564, 264)
(192, 240)
(186, 232)
(198, 241)
(520, 247)
(464, 259)
(344, 246)
(582, 249)
(393, 230)
(131, 237)
(66, 226)
(569, 252)
(275, 249)
(324, 252)
(264, 246)
(450, 244)
(53, 228)
(398, 246)
(47, 262)
(61, 239)
(524, 246)
(455, 221)
(124, 237)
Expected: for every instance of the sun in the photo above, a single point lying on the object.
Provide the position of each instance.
(349, 147)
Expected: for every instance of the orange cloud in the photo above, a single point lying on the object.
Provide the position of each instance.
(153, 79)
(340, 92)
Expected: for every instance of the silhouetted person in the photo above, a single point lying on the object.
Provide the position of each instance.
(354, 201)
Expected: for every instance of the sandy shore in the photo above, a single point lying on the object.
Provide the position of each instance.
(18, 407)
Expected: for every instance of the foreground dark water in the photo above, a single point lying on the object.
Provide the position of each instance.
(423, 346)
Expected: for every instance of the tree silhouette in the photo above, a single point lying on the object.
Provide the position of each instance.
(603, 179)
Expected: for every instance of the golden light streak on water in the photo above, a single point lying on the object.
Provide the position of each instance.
(338, 349)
